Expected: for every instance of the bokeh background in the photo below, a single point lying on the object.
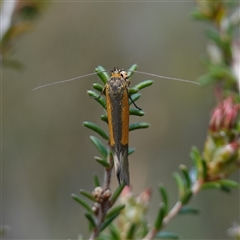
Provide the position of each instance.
(47, 154)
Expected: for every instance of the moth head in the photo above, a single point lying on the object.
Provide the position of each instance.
(124, 74)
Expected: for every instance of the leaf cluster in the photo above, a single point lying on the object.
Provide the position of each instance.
(21, 20)
(97, 95)
(102, 214)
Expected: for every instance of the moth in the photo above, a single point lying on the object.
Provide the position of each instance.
(117, 105)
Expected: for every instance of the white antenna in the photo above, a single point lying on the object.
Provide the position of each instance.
(170, 78)
(90, 74)
(63, 81)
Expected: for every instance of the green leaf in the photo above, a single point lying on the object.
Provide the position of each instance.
(91, 220)
(96, 180)
(134, 97)
(115, 234)
(197, 161)
(180, 183)
(231, 4)
(12, 63)
(225, 189)
(103, 162)
(115, 210)
(104, 118)
(211, 185)
(186, 197)
(87, 194)
(100, 158)
(116, 194)
(219, 72)
(214, 36)
(143, 84)
(98, 87)
(204, 169)
(206, 79)
(108, 221)
(164, 196)
(189, 210)
(144, 229)
(103, 236)
(228, 183)
(131, 231)
(160, 216)
(166, 235)
(30, 12)
(102, 74)
(96, 96)
(82, 202)
(186, 175)
(100, 146)
(136, 112)
(131, 150)
(132, 91)
(198, 15)
(96, 129)
(132, 69)
(138, 125)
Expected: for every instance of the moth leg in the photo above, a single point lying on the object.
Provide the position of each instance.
(134, 103)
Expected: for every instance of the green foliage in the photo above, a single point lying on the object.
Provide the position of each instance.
(189, 210)
(102, 196)
(96, 129)
(164, 196)
(104, 76)
(188, 182)
(108, 220)
(139, 125)
(219, 158)
(223, 184)
(116, 194)
(160, 216)
(103, 162)
(136, 112)
(115, 210)
(134, 97)
(91, 221)
(221, 35)
(143, 84)
(82, 202)
(87, 195)
(96, 180)
(21, 20)
(97, 97)
(132, 69)
(115, 234)
(131, 150)
(100, 146)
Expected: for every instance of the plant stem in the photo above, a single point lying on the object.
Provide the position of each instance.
(105, 205)
(173, 212)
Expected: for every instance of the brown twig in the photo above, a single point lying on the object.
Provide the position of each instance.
(104, 204)
(173, 212)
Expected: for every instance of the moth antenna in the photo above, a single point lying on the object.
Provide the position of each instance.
(170, 78)
(67, 80)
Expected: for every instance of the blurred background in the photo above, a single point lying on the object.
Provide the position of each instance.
(47, 154)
